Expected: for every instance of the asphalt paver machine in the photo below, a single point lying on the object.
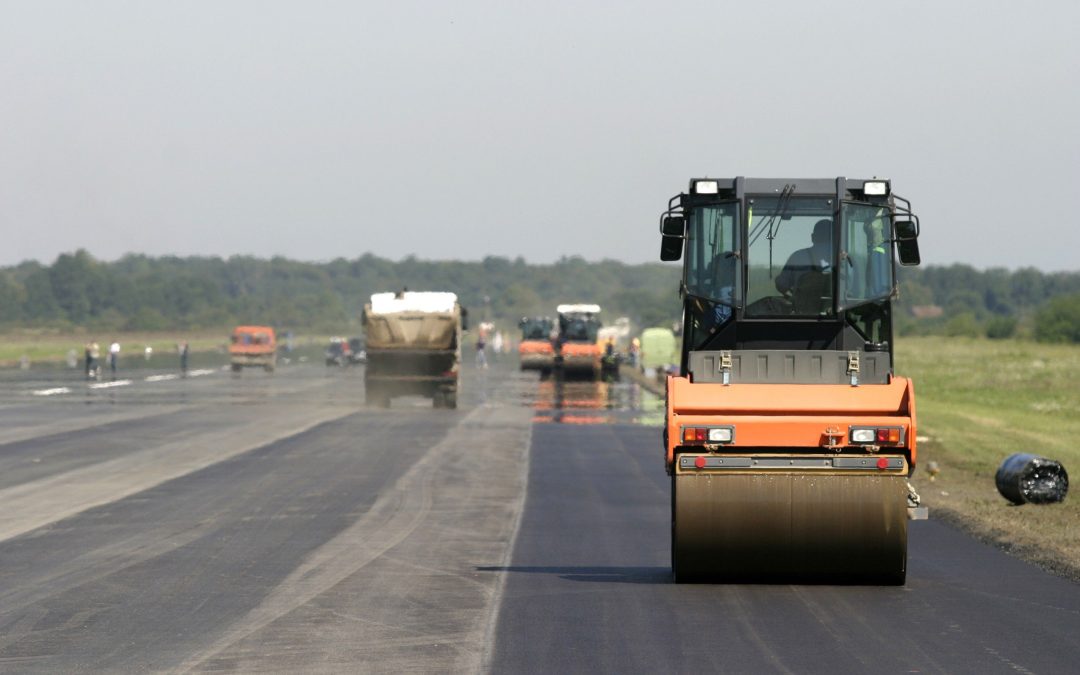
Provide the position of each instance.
(788, 438)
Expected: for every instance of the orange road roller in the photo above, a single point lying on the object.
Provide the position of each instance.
(535, 349)
(788, 438)
(578, 353)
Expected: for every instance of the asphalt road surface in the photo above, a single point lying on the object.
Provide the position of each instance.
(271, 523)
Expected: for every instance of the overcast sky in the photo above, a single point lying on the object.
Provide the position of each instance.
(317, 130)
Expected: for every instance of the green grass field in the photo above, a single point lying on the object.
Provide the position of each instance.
(983, 400)
(980, 401)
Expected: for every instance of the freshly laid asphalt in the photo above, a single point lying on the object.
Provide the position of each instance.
(272, 523)
(589, 589)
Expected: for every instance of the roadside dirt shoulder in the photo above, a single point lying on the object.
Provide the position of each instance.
(1046, 535)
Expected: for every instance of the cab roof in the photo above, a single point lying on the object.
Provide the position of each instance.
(578, 309)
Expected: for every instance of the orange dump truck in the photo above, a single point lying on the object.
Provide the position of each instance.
(253, 346)
(788, 437)
(535, 349)
(578, 354)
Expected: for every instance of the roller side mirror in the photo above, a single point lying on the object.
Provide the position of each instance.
(674, 230)
(673, 226)
(907, 242)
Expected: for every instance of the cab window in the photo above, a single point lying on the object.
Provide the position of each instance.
(712, 266)
(866, 270)
(790, 257)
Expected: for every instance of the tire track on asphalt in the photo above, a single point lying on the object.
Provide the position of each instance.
(412, 542)
(390, 521)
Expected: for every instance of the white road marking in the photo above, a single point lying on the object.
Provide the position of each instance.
(109, 385)
(52, 392)
(159, 378)
(202, 371)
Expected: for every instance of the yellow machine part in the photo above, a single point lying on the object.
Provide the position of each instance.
(795, 526)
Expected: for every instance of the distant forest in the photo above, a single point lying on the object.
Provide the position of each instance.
(142, 293)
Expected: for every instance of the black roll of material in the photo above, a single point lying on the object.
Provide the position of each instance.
(1024, 478)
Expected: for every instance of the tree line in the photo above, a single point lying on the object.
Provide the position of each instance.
(997, 303)
(145, 293)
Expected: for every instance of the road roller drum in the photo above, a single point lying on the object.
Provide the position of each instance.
(790, 527)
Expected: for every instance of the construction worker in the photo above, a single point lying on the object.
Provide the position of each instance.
(114, 356)
(94, 360)
(878, 265)
(481, 346)
(182, 348)
(816, 258)
(89, 361)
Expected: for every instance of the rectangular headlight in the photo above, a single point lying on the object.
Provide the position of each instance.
(876, 188)
(863, 435)
(720, 435)
(702, 435)
(706, 187)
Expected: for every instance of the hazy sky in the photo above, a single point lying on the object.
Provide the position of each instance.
(317, 130)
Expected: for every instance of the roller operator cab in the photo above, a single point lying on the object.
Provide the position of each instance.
(788, 438)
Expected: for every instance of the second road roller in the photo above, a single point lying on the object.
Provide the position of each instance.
(788, 438)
